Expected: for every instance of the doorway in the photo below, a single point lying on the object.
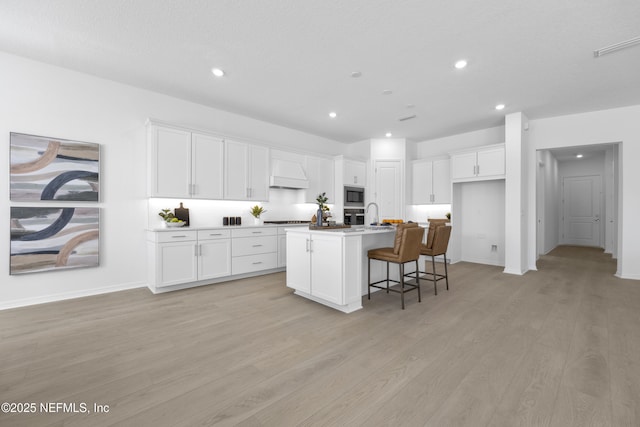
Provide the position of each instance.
(581, 208)
(577, 197)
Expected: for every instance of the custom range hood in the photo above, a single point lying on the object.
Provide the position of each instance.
(287, 174)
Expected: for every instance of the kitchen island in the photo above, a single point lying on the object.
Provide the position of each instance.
(330, 266)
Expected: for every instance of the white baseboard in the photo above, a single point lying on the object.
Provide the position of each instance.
(511, 271)
(628, 276)
(23, 302)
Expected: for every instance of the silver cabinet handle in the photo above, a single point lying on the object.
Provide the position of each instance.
(178, 237)
(308, 248)
(259, 262)
(256, 232)
(256, 246)
(215, 234)
(478, 173)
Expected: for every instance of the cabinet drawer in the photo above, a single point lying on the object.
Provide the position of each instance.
(254, 245)
(253, 232)
(282, 232)
(213, 234)
(251, 263)
(175, 236)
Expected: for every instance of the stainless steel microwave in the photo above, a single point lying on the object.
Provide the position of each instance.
(354, 197)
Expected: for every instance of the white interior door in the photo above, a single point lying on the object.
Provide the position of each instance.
(388, 189)
(581, 210)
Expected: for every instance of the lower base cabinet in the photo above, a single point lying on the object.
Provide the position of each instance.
(181, 258)
(314, 266)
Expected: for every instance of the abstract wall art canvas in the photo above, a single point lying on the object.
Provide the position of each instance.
(45, 168)
(54, 238)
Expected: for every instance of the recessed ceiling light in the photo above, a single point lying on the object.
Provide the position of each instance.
(579, 156)
(333, 114)
(461, 64)
(388, 135)
(356, 74)
(387, 92)
(500, 107)
(218, 72)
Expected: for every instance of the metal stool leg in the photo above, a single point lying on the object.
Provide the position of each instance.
(387, 276)
(401, 266)
(435, 282)
(446, 273)
(369, 279)
(418, 282)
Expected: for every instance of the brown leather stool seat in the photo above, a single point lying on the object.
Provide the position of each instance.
(406, 249)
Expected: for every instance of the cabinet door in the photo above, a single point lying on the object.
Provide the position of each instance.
(463, 165)
(206, 167)
(491, 162)
(176, 263)
(236, 171)
(355, 173)
(441, 181)
(421, 180)
(298, 261)
(321, 176)
(258, 173)
(326, 268)
(169, 162)
(214, 259)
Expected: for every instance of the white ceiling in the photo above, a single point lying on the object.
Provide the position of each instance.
(290, 61)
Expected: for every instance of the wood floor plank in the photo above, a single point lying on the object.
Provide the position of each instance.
(556, 347)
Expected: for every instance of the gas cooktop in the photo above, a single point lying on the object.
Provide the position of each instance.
(288, 221)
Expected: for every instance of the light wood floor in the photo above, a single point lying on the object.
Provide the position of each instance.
(557, 347)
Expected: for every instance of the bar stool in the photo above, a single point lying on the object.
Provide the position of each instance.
(406, 248)
(435, 247)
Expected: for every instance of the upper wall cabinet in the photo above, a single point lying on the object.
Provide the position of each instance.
(321, 176)
(478, 164)
(355, 173)
(183, 164)
(431, 181)
(246, 169)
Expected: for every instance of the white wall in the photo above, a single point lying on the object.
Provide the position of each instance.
(44, 100)
(480, 221)
(549, 208)
(599, 127)
(436, 147)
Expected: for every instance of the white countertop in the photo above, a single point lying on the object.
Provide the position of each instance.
(353, 231)
(225, 227)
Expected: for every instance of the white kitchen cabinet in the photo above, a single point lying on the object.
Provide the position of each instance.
(184, 256)
(314, 266)
(431, 182)
(321, 176)
(299, 262)
(214, 251)
(246, 170)
(254, 249)
(184, 164)
(355, 173)
(478, 164)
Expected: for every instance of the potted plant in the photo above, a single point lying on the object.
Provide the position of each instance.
(256, 211)
(322, 208)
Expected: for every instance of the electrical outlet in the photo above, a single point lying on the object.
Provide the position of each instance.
(494, 248)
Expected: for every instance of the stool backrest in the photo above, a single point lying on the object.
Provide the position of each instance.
(410, 244)
(433, 224)
(399, 233)
(441, 239)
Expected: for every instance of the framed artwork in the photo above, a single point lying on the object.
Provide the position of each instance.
(54, 238)
(44, 168)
